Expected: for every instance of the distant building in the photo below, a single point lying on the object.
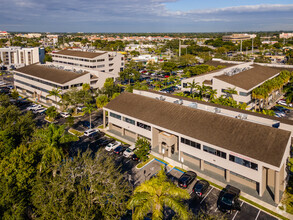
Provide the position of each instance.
(16, 57)
(109, 62)
(33, 35)
(3, 34)
(146, 58)
(286, 35)
(236, 38)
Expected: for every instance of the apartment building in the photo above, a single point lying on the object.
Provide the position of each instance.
(35, 81)
(286, 35)
(243, 77)
(236, 38)
(16, 57)
(250, 152)
(109, 62)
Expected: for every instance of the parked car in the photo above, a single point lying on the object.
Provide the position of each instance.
(80, 108)
(65, 114)
(39, 110)
(34, 107)
(283, 102)
(103, 141)
(228, 199)
(186, 179)
(134, 157)
(201, 187)
(129, 151)
(280, 108)
(90, 132)
(119, 150)
(112, 146)
(279, 113)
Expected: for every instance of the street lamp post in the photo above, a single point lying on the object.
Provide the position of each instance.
(163, 152)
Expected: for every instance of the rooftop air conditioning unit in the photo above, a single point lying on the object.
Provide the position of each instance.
(193, 105)
(217, 110)
(242, 116)
(162, 98)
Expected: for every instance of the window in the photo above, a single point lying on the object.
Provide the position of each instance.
(215, 152)
(244, 94)
(190, 143)
(144, 126)
(243, 162)
(184, 85)
(128, 120)
(113, 115)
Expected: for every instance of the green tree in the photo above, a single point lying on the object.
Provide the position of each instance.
(86, 87)
(89, 108)
(230, 92)
(156, 194)
(193, 85)
(51, 112)
(4, 100)
(142, 146)
(54, 140)
(56, 93)
(14, 94)
(101, 101)
(116, 94)
(85, 187)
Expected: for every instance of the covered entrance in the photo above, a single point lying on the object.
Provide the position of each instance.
(167, 144)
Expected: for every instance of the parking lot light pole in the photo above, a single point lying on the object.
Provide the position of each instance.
(163, 152)
(182, 160)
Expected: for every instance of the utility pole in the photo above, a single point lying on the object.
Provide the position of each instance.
(252, 46)
(179, 48)
(240, 46)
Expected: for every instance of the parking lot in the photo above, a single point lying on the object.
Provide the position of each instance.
(208, 203)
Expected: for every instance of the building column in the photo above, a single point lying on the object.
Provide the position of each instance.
(202, 164)
(227, 172)
(104, 118)
(123, 132)
(277, 187)
(169, 151)
(160, 148)
(263, 181)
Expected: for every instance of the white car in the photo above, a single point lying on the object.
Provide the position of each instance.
(65, 114)
(39, 110)
(90, 132)
(112, 146)
(34, 107)
(129, 151)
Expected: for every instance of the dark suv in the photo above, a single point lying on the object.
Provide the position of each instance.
(186, 179)
(200, 187)
(228, 199)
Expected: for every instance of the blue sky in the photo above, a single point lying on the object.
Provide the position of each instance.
(146, 15)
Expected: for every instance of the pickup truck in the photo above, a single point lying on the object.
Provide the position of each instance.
(228, 199)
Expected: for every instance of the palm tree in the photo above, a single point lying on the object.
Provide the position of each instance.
(101, 101)
(154, 195)
(212, 93)
(51, 112)
(89, 108)
(56, 93)
(53, 140)
(193, 85)
(230, 92)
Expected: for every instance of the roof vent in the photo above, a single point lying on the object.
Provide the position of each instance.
(217, 110)
(193, 105)
(179, 101)
(162, 98)
(242, 116)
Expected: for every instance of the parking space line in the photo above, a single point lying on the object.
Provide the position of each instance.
(257, 214)
(206, 196)
(237, 211)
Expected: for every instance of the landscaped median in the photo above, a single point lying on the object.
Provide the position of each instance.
(151, 157)
(75, 132)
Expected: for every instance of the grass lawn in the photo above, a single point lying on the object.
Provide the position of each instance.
(75, 132)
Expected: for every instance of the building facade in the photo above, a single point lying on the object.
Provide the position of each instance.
(207, 139)
(243, 77)
(16, 57)
(36, 81)
(109, 62)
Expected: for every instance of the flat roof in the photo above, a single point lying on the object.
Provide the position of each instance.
(250, 78)
(77, 53)
(51, 74)
(253, 140)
